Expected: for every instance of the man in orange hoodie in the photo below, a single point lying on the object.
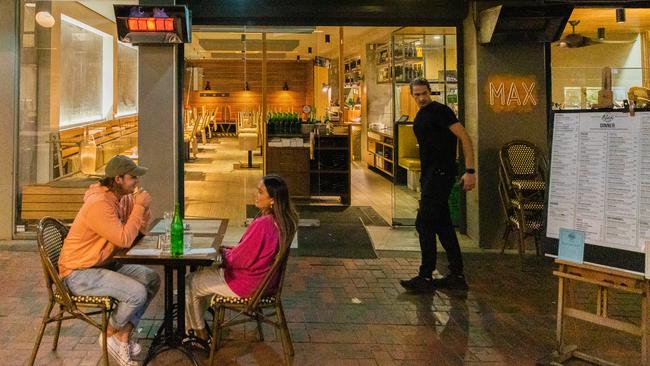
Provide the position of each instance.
(112, 216)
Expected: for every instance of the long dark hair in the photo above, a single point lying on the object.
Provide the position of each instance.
(109, 182)
(284, 214)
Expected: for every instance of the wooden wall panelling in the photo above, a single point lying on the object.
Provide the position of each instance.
(228, 76)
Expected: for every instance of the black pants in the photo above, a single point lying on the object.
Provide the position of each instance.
(433, 220)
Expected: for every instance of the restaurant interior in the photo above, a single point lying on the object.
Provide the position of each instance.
(375, 161)
(265, 99)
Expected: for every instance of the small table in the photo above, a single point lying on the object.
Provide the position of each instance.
(208, 233)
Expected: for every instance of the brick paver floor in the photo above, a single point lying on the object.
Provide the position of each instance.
(344, 312)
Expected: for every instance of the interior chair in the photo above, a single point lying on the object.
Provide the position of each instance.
(227, 126)
(640, 96)
(248, 137)
(204, 120)
(50, 235)
(190, 133)
(254, 308)
(522, 174)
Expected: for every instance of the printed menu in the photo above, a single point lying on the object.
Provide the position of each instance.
(600, 178)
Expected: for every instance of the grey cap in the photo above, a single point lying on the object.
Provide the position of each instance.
(120, 165)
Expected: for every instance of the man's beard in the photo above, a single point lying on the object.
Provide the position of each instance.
(123, 191)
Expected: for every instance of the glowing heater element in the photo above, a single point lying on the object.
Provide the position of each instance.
(151, 24)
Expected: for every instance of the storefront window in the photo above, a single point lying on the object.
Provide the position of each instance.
(579, 65)
(127, 79)
(86, 72)
(78, 105)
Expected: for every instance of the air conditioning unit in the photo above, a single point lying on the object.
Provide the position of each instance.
(164, 24)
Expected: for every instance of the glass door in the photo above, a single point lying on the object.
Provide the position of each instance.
(417, 52)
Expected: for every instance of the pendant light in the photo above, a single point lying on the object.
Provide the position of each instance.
(620, 15)
(243, 40)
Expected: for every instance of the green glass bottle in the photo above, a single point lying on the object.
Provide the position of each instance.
(177, 232)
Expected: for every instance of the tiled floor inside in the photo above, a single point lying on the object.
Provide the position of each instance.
(213, 188)
(347, 312)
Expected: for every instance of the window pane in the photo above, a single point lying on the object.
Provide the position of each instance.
(127, 79)
(80, 67)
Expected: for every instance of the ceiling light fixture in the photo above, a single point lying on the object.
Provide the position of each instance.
(45, 19)
(243, 41)
(620, 15)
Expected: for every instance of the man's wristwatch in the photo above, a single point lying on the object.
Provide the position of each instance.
(470, 171)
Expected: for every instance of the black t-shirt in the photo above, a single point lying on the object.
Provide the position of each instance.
(437, 142)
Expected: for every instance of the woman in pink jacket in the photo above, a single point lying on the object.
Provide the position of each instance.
(245, 265)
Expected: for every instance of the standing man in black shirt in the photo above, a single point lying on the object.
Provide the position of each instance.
(437, 129)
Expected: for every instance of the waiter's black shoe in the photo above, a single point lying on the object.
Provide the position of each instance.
(418, 284)
(451, 282)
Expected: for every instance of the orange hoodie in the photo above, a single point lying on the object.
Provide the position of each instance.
(102, 227)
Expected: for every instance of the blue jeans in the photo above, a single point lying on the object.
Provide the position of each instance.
(133, 286)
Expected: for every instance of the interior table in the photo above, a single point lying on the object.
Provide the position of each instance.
(207, 237)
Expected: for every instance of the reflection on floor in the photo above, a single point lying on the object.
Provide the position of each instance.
(214, 189)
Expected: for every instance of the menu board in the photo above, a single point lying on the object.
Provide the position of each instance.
(600, 184)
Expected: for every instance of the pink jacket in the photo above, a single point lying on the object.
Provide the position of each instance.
(102, 227)
(246, 264)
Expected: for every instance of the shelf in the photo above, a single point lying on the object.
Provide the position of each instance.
(384, 158)
(383, 170)
(413, 60)
(331, 148)
(286, 135)
(322, 171)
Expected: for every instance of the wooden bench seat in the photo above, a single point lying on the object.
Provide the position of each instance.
(61, 199)
(111, 137)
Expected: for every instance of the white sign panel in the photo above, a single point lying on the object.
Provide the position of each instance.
(600, 178)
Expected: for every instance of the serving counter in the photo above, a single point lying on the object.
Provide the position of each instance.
(313, 165)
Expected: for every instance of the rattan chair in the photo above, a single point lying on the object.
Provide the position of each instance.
(50, 236)
(252, 308)
(521, 188)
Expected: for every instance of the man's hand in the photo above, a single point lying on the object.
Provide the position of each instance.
(468, 181)
(142, 198)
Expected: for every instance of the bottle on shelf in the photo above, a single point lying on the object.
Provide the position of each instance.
(177, 232)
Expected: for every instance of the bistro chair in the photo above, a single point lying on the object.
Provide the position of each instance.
(50, 236)
(522, 173)
(252, 308)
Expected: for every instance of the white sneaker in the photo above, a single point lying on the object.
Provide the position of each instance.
(134, 347)
(120, 352)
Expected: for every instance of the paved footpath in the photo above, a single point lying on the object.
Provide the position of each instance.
(343, 312)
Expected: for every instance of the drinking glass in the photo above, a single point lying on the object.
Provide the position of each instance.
(187, 242)
(165, 243)
(167, 221)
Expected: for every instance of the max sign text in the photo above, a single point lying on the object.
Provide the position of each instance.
(510, 93)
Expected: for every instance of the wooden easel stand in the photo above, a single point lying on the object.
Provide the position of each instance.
(605, 279)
